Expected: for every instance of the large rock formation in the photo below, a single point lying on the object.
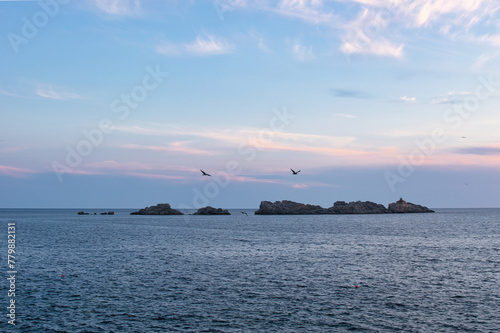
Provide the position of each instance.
(286, 207)
(212, 211)
(402, 206)
(160, 209)
(358, 207)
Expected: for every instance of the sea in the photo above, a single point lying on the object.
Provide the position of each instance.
(433, 272)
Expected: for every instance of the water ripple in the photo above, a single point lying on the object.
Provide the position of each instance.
(417, 273)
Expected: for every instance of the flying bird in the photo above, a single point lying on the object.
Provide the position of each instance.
(244, 213)
(205, 174)
(294, 172)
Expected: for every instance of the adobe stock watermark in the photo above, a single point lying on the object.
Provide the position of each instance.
(31, 26)
(453, 118)
(221, 180)
(95, 136)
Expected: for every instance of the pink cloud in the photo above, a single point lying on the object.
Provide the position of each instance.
(83, 172)
(15, 171)
(12, 149)
(246, 179)
(114, 165)
(176, 147)
(154, 176)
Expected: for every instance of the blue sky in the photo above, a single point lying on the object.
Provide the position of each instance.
(120, 103)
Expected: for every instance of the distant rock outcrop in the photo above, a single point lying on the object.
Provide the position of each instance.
(212, 211)
(160, 209)
(358, 207)
(286, 207)
(402, 206)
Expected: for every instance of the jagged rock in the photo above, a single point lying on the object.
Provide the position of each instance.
(407, 207)
(358, 207)
(160, 209)
(286, 207)
(212, 211)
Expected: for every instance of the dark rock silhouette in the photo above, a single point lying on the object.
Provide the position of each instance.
(358, 207)
(159, 209)
(286, 207)
(212, 211)
(402, 206)
(82, 213)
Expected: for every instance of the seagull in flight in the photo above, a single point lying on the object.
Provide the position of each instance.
(205, 174)
(294, 172)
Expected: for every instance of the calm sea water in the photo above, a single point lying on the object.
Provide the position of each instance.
(415, 272)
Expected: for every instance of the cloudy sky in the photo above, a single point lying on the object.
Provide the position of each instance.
(120, 103)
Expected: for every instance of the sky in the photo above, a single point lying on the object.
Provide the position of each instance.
(120, 103)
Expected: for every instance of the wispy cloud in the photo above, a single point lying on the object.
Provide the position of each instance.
(302, 53)
(380, 25)
(425, 12)
(484, 58)
(154, 176)
(316, 149)
(119, 7)
(54, 92)
(360, 39)
(15, 171)
(227, 141)
(115, 165)
(138, 169)
(451, 97)
(257, 37)
(492, 39)
(8, 93)
(457, 20)
(344, 115)
(419, 13)
(174, 147)
(407, 99)
(234, 137)
(307, 10)
(12, 149)
(202, 46)
(487, 150)
(350, 93)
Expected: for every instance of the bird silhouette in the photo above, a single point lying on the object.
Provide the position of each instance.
(205, 174)
(244, 213)
(294, 172)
